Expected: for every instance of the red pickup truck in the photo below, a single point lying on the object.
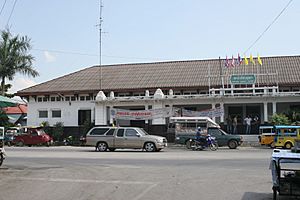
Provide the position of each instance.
(33, 136)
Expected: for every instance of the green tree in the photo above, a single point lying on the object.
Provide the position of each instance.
(3, 119)
(280, 119)
(14, 57)
(58, 131)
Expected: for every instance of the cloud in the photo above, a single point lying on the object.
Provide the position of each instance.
(49, 57)
(20, 83)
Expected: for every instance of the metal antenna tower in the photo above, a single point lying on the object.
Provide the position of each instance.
(100, 43)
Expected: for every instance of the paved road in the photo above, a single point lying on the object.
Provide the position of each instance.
(176, 173)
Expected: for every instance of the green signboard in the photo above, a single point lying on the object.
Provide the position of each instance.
(242, 79)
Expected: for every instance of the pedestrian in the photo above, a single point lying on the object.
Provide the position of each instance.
(229, 124)
(234, 123)
(247, 122)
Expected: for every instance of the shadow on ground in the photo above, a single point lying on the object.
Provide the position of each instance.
(257, 196)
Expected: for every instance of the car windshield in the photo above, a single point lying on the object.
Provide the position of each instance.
(223, 132)
(142, 131)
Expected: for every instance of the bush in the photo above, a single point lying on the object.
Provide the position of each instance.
(280, 119)
(58, 131)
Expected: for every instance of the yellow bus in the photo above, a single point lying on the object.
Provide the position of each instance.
(267, 135)
(286, 135)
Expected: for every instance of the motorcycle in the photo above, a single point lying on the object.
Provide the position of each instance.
(208, 142)
(2, 152)
(2, 156)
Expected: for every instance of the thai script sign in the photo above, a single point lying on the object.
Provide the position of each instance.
(141, 114)
(214, 112)
(243, 79)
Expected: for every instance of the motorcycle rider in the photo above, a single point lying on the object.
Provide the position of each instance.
(201, 136)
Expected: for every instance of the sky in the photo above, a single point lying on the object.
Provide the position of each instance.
(65, 36)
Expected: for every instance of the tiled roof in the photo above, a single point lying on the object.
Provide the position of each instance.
(177, 74)
(20, 109)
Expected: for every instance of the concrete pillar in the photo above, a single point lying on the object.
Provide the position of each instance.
(274, 110)
(265, 111)
(158, 121)
(146, 108)
(111, 120)
(213, 106)
(222, 116)
(100, 114)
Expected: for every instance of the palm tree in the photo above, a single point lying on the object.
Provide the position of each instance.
(14, 57)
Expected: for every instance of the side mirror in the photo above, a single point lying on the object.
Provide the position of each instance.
(137, 135)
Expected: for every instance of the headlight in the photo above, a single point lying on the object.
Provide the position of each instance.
(177, 138)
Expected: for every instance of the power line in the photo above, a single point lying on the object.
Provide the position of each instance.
(95, 55)
(11, 12)
(268, 27)
(2, 7)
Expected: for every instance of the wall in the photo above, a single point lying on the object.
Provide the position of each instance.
(69, 113)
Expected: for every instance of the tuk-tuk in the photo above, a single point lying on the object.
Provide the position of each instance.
(267, 135)
(286, 135)
(285, 168)
(2, 152)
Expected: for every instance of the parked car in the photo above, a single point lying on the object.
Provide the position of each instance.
(32, 136)
(112, 138)
(223, 138)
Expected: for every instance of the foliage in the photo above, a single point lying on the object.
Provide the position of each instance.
(280, 119)
(14, 57)
(3, 119)
(6, 88)
(47, 127)
(58, 131)
(294, 116)
(87, 125)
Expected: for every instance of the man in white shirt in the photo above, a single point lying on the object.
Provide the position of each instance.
(247, 121)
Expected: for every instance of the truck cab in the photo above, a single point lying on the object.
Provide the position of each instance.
(186, 128)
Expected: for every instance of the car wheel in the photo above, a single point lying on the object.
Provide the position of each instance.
(20, 143)
(1, 159)
(232, 144)
(272, 145)
(150, 147)
(102, 146)
(288, 145)
(188, 144)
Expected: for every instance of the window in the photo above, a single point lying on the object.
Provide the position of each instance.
(67, 98)
(52, 99)
(88, 98)
(40, 99)
(56, 113)
(43, 114)
(215, 132)
(110, 132)
(73, 98)
(58, 98)
(120, 133)
(99, 131)
(82, 98)
(131, 133)
(45, 99)
(84, 116)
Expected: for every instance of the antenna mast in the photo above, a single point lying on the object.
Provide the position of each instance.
(100, 43)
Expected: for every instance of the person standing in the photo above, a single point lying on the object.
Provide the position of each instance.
(229, 124)
(247, 121)
(234, 123)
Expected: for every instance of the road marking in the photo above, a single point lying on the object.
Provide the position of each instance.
(83, 181)
(144, 192)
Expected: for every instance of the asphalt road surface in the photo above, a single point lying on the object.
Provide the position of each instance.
(62, 173)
